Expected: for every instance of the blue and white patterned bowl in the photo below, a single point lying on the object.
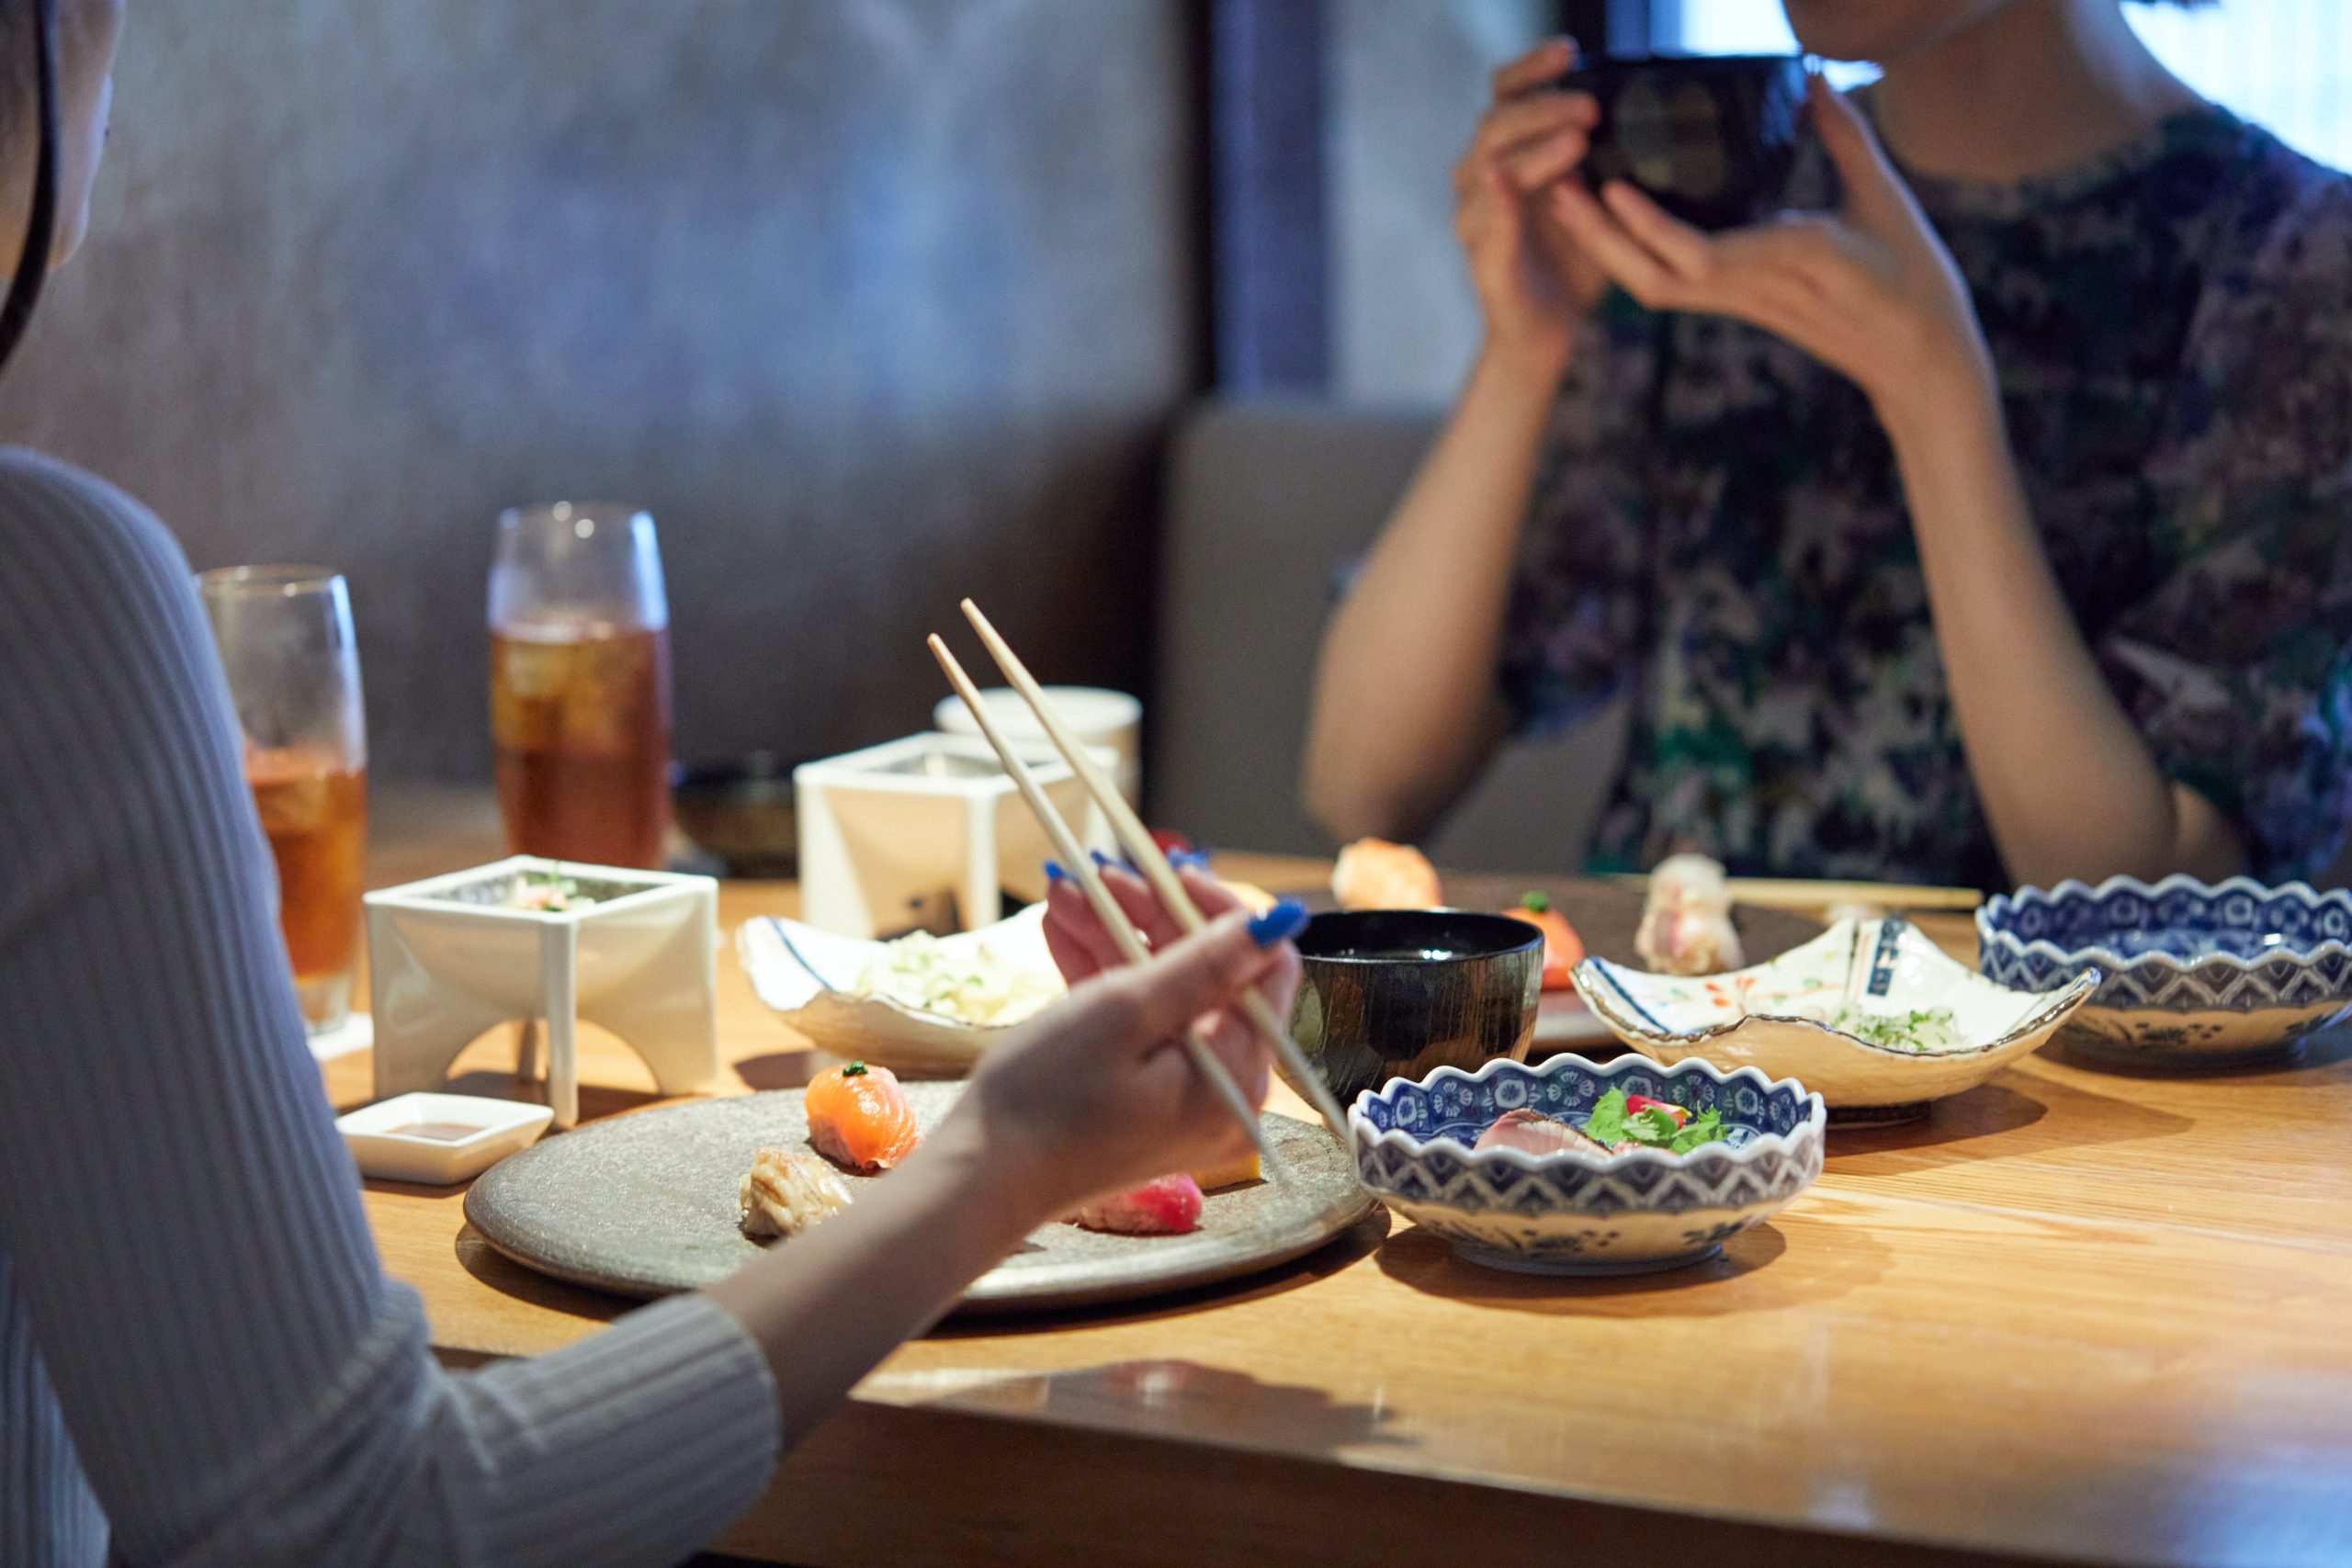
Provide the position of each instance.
(1574, 1214)
(2196, 973)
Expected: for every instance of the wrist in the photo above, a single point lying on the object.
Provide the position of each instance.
(993, 1177)
(1957, 396)
(1523, 363)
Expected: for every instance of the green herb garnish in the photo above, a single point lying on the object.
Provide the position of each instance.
(1612, 1124)
(1921, 1029)
(1705, 1128)
(1607, 1122)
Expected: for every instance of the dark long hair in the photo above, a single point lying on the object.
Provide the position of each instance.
(40, 233)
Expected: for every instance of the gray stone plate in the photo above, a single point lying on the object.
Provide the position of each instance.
(645, 1205)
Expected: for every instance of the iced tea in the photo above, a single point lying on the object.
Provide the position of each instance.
(314, 810)
(580, 722)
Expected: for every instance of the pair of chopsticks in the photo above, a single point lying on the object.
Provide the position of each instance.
(1146, 853)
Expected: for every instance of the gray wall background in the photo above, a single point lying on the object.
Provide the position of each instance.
(872, 302)
(1408, 82)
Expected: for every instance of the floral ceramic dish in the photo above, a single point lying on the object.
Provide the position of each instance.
(2195, 973)
(1871, 1013)
(1576, 1214)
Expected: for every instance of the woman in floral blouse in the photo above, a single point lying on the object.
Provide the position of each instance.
(1988, 519)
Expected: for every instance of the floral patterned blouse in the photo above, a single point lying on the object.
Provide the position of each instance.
(1718, 526)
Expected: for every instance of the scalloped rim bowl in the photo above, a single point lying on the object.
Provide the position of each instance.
(782, 958)
(1570, 1213)
(2190, 1002)
(1884, 965)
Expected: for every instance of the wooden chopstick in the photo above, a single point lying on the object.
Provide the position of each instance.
(1144, 852)
(1815, 897)
(1106, 907)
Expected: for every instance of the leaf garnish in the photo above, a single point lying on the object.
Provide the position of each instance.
(1612, 1124)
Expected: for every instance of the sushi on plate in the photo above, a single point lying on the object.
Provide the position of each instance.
(787, 1192)
(859, 1119)
(1170, 1206)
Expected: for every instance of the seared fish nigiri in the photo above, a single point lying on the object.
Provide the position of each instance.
(788, 1192)
(1686, 919)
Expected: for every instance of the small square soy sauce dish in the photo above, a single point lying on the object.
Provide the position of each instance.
(439, 1139)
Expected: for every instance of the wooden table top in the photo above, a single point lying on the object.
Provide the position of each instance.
(2074, 1316)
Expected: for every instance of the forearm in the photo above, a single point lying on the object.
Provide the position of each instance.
(2068, 784)
(1405, 698)
(829, 1304)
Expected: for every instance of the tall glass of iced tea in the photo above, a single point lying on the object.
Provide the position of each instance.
(285, 637)
(580, 683)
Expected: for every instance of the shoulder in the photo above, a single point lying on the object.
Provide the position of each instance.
(92, 587)
(2265, 400)
(2275, 211)
(114, 704)
(69, 540)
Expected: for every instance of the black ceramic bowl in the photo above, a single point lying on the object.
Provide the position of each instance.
(1397, 993)
(740, 810)
(1710, 137)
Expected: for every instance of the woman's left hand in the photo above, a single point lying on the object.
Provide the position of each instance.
(1868, 289)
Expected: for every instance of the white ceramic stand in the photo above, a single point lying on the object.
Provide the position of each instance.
(885, 832)
(447, 962)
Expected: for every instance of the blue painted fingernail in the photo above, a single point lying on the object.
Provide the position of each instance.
(1054, 871)
(1197, 858)
(1106, 862)
(1281, 922)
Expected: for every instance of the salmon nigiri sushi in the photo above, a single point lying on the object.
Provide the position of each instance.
(859, 1119)
(1373, 873)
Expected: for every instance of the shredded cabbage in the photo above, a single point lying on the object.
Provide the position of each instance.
(916, 971)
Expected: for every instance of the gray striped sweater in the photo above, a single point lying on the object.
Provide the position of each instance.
(198, 1350)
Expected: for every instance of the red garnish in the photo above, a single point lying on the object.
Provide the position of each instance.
(1638, 1104)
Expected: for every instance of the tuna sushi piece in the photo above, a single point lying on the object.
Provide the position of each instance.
(1532, 1132)
(859, 1119)
(1170, 1206)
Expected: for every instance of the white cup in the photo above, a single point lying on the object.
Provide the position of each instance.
(1097, 715)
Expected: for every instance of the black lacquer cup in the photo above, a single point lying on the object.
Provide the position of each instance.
(1710, 138)
(1397, 993)
(741, 810)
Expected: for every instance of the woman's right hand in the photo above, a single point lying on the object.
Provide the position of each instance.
(1533, 283)
(1097, 1094)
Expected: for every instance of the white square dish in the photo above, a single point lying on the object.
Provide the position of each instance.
(439, 1139)
(449, 958)
(892, 834)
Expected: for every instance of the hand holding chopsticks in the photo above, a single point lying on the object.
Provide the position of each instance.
(1144, 852)
(1106, 907)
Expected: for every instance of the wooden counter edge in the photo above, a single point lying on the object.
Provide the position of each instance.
(1106, 1498)
(1003, 1488)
